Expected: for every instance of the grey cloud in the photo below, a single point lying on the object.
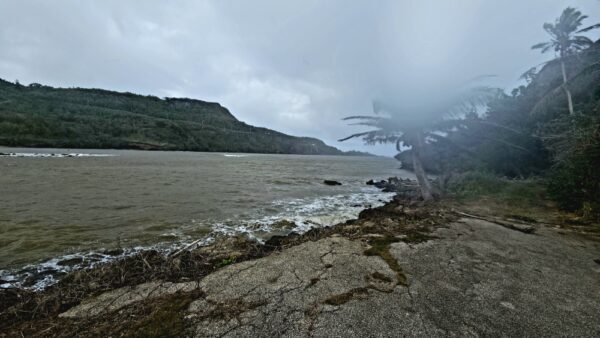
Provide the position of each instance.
(294, 66)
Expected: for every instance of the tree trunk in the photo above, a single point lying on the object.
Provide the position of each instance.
(566, 89)
(424, 184)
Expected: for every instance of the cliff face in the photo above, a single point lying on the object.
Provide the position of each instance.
(43, 116)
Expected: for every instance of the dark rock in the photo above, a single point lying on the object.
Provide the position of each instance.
(370, 182)
(284, 224)
(113, 252)
(331, 182)
(71, 261)
(381, 184)
(278, 241)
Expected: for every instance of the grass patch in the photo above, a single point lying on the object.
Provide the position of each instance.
(521, 199)
(226, 261)
(474, 185)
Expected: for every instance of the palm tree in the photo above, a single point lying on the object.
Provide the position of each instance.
(415, 127)
(565, 43)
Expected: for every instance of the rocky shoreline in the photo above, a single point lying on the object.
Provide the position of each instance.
(296, 285)
(44, 273)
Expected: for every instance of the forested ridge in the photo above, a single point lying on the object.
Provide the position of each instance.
(41, 116)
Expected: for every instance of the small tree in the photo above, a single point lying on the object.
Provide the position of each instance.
(565, 43)
(414, 128)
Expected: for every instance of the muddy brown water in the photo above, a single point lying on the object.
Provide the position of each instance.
(69, 209)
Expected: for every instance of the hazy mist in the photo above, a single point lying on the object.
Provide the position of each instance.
(297, 67)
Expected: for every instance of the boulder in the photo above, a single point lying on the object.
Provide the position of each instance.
(331, 182)
(381, 184)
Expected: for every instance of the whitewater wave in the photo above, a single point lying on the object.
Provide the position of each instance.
(300, 214)
(54, 155)
(234, 155)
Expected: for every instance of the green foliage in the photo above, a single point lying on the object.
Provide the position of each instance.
(42, 116)
(477, 184)
(226, 261)
(531, 133)
(574, 180)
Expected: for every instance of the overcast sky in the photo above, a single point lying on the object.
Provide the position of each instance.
(293, 66)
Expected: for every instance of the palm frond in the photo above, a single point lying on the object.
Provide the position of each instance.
(587, 29)
(541, 45)
(358, 135)
(362, 117)
(581, 40)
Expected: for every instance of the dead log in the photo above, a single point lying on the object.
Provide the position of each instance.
(524, 228)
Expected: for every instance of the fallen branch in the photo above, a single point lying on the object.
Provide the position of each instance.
(185, 248)
(145, 261)
(528, 229)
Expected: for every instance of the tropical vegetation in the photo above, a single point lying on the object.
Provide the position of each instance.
(547, 129)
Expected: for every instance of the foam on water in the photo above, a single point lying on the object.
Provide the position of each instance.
(53, 155)
(235, 155)
(305, 213)
(49, 272)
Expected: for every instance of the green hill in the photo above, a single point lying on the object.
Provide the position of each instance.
(43, 116)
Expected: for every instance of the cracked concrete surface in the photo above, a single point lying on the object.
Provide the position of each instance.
(475, 279)
(290, 289)
(484, 280)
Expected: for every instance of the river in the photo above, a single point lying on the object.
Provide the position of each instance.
(59, 213)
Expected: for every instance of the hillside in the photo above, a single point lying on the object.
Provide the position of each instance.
(43, 116)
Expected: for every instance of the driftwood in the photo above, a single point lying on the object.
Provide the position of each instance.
(185, 248)
(525, 228)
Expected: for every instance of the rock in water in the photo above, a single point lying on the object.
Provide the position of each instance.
(381, 184)
(331, 182)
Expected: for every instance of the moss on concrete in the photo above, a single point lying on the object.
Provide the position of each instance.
(381, 247)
